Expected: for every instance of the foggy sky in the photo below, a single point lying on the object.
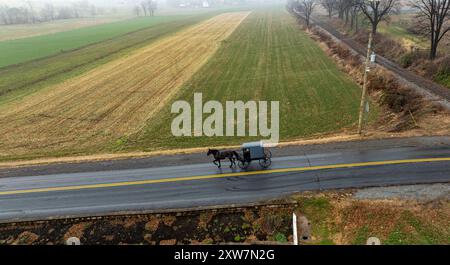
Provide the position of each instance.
(68, 2)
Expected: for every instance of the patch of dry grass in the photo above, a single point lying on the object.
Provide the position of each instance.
(338, 218)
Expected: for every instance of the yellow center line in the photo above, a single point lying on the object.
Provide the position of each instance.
(226, 175)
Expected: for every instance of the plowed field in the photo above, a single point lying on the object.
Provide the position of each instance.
(113, 100)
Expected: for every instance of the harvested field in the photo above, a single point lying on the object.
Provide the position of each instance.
(269, 58)
(18, 81)
(18, 51)
(113, 100)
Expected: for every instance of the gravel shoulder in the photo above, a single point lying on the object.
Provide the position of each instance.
(409, 192)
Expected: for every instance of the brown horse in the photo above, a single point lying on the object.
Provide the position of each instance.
(222, 155)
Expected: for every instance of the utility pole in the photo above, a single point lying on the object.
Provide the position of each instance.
(363, 108)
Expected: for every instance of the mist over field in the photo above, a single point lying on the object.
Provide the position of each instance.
(127, 3)
(68, 2)
(13, 12)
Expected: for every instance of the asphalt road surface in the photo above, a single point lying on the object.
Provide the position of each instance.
(181, 181)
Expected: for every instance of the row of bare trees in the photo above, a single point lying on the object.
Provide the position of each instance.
(432, 17)
(349, 11)
(29, 14)
(433, 20)
(147, 8)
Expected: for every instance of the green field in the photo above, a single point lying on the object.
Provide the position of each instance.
(400, 33)
(20, 31)
(397, 29)
(23, 50)
(20, 80)
(267, 58)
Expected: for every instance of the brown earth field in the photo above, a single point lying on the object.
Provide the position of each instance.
(335, 217)
(115, 99)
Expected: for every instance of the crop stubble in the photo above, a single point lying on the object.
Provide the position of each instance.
(114, 100)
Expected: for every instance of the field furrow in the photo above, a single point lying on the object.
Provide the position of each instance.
(267, 58)
(113, 100)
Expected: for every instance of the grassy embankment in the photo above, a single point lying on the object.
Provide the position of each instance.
(338, 219)
(397, 30)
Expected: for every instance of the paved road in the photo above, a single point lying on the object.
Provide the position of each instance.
(190, 181)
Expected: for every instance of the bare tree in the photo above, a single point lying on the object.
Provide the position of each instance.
(347, 10)
(434, 21)
(17, 15)
(93, 10)
(48, 12)
(355, 10)
(377, 10)
(65, 12)
(149, 7)
(341, 6)
(4, 14)
(137, 11)
(76, 12)
(144, 7)
(152, 5)
(30, 12)
(329, 6)
(306, 7)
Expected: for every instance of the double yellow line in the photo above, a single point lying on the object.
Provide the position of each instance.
(226, 175)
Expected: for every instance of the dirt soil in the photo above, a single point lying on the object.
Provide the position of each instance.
(268, 222)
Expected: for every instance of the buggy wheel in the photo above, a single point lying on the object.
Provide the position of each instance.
(265, 163)
(268, 153)
(243, 164)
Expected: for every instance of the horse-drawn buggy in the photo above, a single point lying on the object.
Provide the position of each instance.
(249, 152)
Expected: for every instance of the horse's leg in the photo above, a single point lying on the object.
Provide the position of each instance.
(231, 161)
(220, 164)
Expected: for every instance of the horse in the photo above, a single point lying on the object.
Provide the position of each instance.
(222, 155)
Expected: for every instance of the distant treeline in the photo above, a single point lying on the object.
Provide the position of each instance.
(147, 8)
(30, 14)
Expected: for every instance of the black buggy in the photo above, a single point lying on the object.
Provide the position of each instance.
(252, 152)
